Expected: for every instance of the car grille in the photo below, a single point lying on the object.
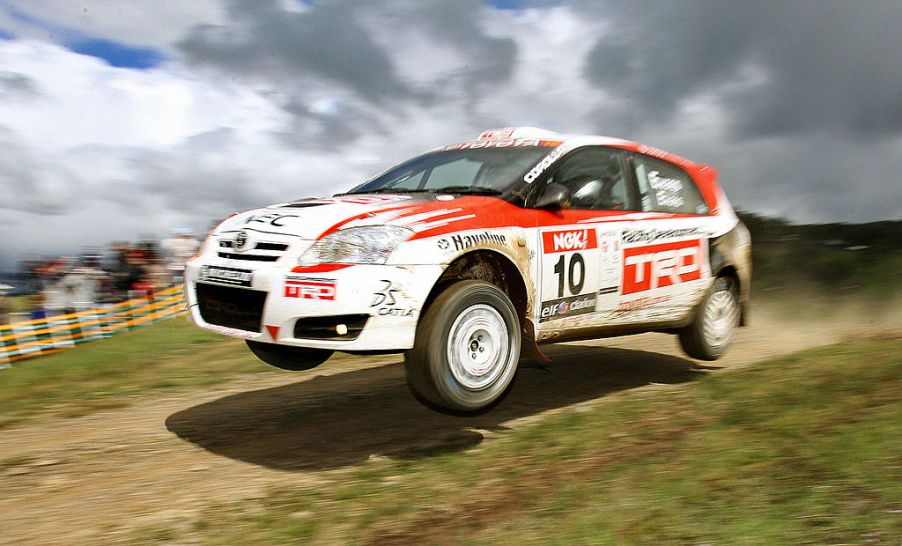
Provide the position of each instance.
(231, 307)
(262, 251)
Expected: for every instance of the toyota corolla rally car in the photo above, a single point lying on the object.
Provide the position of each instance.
(473, 254)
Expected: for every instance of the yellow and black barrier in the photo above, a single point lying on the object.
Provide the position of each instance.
(31, 338)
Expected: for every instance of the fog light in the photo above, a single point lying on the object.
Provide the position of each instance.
(341, 329)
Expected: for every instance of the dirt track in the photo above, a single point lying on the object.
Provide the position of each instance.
(162, 460)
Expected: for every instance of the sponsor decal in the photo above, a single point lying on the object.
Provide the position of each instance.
(608, 290)
(385, 296)
(569, 240)
(495, 134)
(386, 303)
(463, 242)
(640, 303)
(667, 190)
(567, 307)
(225, 275)
(663, 183)
(272, 219)
(370, 199)
(500, 143)
(309, 288)
(637, 236)
(537, 171)
(665, 264)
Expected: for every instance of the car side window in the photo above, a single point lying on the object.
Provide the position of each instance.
(666, 188)
(595, 179)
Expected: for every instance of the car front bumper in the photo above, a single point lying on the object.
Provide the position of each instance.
(351, 308)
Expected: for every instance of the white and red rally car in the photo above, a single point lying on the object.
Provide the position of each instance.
(471, 255)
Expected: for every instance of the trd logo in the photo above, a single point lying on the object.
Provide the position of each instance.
(310, 290)
(655, 266)
(566, 241)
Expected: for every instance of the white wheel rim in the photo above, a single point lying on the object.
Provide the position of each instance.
(478, 347)
(721, 317)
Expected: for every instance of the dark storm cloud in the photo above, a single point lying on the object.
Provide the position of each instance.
(197, 178)
(265, 41)
(804, 96)
(29, 185)
(339, 123)
(824, 64)
(489, 59)
(17, 86)
(336, 41)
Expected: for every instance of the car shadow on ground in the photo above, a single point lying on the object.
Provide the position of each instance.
(333, 421)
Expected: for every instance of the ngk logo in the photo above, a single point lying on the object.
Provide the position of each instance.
(566, 241)
(310, 290)
(654, 266)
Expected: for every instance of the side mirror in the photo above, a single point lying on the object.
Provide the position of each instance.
(556, 196)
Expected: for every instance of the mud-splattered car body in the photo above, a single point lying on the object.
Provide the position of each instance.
(633, 243)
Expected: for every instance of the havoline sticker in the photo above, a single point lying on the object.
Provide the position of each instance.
(226, 275)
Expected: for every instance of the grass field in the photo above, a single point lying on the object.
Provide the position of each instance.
(800, 450)
(104, 373)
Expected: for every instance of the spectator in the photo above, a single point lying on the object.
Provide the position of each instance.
(177, 250)
(4, 307)
(80, 287)
(136, 271)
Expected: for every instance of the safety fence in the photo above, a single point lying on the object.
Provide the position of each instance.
(31, 338)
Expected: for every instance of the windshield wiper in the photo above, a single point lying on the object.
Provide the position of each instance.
(472, 190)
(391, 190)
(450, 189)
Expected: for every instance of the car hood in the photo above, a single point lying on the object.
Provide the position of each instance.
(315, 218)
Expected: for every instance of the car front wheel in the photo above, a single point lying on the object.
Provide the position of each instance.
(466, 350)
(714, 327)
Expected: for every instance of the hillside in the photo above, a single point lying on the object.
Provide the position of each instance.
(827, 261)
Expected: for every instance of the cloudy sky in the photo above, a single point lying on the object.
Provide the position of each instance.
(123, 118)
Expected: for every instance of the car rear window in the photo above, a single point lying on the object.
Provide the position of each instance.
(664, 187)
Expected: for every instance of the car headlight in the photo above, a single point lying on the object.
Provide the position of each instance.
(359, 245)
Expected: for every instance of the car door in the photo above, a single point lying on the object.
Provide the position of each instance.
(579, 261)
(664, 256)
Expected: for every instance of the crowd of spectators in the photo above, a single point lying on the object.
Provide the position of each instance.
(102, 277)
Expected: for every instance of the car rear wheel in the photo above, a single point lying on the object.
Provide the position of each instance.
(714, 327)
(289, 358)
(466, 350)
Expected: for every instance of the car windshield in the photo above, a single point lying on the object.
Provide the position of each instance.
(482, 170)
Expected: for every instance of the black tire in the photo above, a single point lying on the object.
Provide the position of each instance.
(295, 359)
(715, 323)
(483, 322)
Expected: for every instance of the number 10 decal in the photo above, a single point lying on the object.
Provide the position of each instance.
(573, 273)
(569, 273)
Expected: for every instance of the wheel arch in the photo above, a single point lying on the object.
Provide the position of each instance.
(498, 269)
(730, 255)
(729, 270)
(489, 266)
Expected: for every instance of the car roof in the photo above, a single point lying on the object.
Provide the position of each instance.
(573, 141)
(704, 175)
